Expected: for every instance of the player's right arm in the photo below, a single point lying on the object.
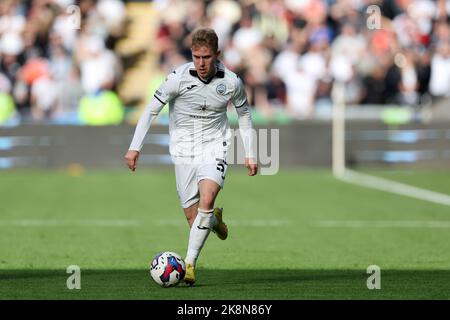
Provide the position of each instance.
(166, 92)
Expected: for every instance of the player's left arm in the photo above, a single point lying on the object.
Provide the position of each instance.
(245, 128)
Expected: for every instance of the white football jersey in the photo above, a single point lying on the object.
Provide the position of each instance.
(197, 108)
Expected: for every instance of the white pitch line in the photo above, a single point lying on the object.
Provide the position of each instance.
(257, 223)
(67, 223)
(366, 180)
(382, 224)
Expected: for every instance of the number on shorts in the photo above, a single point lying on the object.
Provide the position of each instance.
(221, 167)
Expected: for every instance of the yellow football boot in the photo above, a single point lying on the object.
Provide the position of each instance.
(189, 277)
(221, 229)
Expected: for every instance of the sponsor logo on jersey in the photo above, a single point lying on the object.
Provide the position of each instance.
(190, 87)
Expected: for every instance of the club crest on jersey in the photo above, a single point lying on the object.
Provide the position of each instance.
(221, 89)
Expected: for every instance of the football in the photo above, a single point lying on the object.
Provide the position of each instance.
(167, 269)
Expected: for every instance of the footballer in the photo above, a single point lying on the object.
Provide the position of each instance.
(198, 94)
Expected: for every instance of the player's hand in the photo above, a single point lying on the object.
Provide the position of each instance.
(252, 166)
(131, 159)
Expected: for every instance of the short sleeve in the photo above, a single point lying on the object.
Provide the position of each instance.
(169, 89)
(239, 97)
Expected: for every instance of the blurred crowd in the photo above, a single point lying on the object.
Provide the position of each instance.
(57, 56)
(290, 52)
(54, 54)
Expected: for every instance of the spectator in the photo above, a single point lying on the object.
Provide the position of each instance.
(409, 82)
(98, 65)
(301, 88)
(44, 97)
(11, 20)
(440, 71)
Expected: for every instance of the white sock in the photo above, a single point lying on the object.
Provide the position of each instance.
(198, 236)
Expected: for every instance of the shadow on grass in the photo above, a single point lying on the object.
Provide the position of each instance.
(228, 284)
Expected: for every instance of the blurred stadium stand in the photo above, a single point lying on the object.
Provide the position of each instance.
(134, 50)
(58, 81)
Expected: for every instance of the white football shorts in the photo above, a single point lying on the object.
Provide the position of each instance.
(189, 173)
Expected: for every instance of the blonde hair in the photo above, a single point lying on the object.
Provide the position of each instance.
(205, 37)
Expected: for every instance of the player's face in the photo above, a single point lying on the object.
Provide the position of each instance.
(204, 60)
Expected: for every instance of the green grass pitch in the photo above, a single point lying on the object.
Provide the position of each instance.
(111, 224)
